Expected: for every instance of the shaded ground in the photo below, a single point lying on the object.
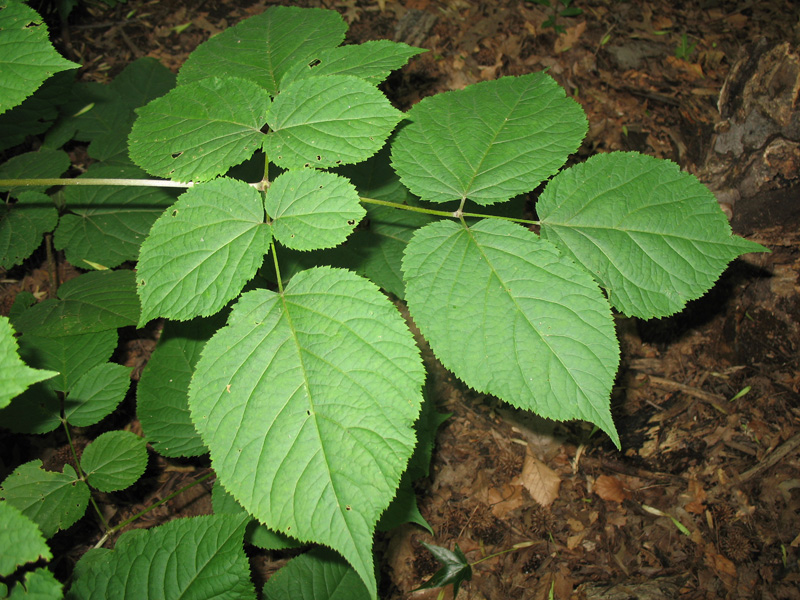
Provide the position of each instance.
(703, 501)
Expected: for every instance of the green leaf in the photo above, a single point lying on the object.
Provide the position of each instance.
(96, 394)
(256, 533)
(509, 316)
(51, 500)
(39, 584)
(70, 355)
(15, 375)
(488, 142)
(652, 236)
(162, 394)
(108, 223)
(28, 57)
(262, 48)
(188, 559)
(22, 226)
(114, 460)
(43, 164)
(371, 61)
(199, 130)
(34, 411)
(311, 395)
(455, 568)
(202, 250)
(21, 540)
(312, 209)
(327, 121)
(316, 575)
(90, 303)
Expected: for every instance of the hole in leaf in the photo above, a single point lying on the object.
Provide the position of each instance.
(351, 221)
(314, 63)
(176, 154)
(319, 157)
(348, 507)
(175, 213)
(142, 283)
(307, 165)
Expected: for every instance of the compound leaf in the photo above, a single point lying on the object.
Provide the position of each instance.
(508, 315)
(652, 236)
(15, 375)
(114, 460)
(28, 57)
(312, 395)
(107, 224)
(262, 48)
(96, 394)
(371, 61)
(188, 559)
(162, 394)
(199, 130)
(316, 575)
(21, 540)
(202, 251)
(327, 121)
(312, 209)
(488, 142)
(51, 500)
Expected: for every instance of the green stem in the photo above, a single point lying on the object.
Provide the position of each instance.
(127, 522)
(441, 213)
(81, 474)
(277, 266)
(90, 181)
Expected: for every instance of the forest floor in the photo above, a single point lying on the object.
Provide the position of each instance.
(703, 500)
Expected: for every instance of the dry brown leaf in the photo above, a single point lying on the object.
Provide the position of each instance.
(610, 488)
(540, 480)
(505, 499)
(698, 496)
(569, 38)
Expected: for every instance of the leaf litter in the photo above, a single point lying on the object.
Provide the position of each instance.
(704, 499)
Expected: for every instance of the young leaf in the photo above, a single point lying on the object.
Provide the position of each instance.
(107, 224)
(371, 61)
(96, 394)
(262, 48)
(114, 460)
(162, 400)
(455, 568)
(15, 375)
(307, 401)
(199, 130)
(652, 236)
(488, 142)
(22, 226)
(51, 500)
(312, 209)
(192, 559)
(202, 250)
(28, 57)
(316, 575)
(21, 540)
(327, 121)
(509, 316)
